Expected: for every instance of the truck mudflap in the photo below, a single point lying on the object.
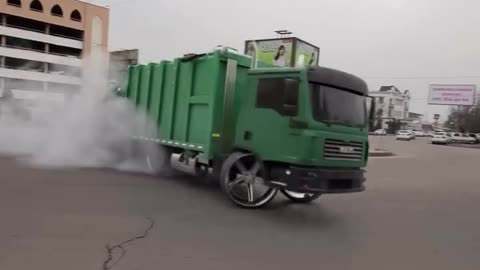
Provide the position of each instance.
(318, 180)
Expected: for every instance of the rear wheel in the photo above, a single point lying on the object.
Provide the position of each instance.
(300, 197)
(242, 178)
(158, 159)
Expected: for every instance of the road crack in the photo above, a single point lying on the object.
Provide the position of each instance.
(112, 260)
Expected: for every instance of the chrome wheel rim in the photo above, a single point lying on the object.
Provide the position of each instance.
(245, 182)
(299, 195)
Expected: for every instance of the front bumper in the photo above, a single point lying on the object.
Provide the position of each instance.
(303, 179)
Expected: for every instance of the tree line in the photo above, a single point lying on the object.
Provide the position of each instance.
(465, 119)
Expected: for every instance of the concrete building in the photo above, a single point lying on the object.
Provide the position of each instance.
(43, 43)
(391, 104)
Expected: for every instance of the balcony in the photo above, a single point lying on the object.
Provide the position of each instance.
(38, 36)
(39, 56)
(35, 75)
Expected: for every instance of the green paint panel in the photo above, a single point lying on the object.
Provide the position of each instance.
(144, 88)
(133, 83)
(156, 87)
(182, 101)
(197, 129)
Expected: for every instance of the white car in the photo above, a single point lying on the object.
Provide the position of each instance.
(405, 135)
(441, 138)
(419, 133)
(462, 138)
(380, 132)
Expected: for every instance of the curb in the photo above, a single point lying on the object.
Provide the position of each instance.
(380, 154)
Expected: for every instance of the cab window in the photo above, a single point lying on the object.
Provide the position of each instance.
(278, 94)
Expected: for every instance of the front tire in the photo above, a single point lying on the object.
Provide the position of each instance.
(298, 197)
(242, 179)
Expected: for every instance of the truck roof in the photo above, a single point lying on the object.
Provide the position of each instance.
(338, 78)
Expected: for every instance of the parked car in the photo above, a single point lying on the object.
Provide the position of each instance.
(419, 133)
(477, 139)
(462, 138)
(405, 135)
(441, 138)
(381, 132)
(431, 134)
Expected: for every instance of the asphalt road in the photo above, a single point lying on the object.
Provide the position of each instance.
(420, 211)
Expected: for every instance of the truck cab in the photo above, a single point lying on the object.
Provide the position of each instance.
(308, 126)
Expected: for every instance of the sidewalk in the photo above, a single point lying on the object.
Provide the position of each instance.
(377, 144)
(380, 153)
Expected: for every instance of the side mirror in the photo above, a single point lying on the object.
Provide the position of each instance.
(297, 124)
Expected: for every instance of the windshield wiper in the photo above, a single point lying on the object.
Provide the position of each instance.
(335, 122)
(339, 122)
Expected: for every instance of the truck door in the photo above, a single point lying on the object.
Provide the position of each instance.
(265, 123)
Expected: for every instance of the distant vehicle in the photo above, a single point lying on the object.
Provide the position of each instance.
(477, 139)
(419, 133)
(381, 132)
(431, 133)
(462, 138)
(405, 135)
(441, 138)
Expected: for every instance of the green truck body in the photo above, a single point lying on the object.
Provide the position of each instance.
(213, 106)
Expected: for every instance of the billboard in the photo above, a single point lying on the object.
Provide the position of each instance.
(284, 52)
(306, 54)
(277, 52)
(452, 94)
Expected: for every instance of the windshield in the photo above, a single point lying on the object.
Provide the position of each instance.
(333, 105)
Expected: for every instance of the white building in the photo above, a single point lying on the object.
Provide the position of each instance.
(391, 104)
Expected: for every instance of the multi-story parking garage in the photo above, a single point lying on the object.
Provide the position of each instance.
(43, 42)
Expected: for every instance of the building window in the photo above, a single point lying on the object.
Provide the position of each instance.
(76, 16)
(57, 11)
(16, 3)
(380, 100)
(36, 5)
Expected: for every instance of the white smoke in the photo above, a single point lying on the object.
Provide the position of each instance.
(92, 129)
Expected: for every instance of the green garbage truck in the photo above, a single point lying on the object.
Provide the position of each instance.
(257, 128)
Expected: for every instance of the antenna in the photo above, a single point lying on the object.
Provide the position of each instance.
(283, 33)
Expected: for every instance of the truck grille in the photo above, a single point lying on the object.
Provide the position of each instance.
(342, 150)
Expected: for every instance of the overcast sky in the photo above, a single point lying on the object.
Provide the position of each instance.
(406, 43)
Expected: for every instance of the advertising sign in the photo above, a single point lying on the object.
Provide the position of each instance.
(452, 94)
(284, 52)
(277, 52)
(306, 54)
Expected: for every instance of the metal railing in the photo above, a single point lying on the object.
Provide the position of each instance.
(43, 32)
(42, 51)
(22, 68)
(66, 74)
